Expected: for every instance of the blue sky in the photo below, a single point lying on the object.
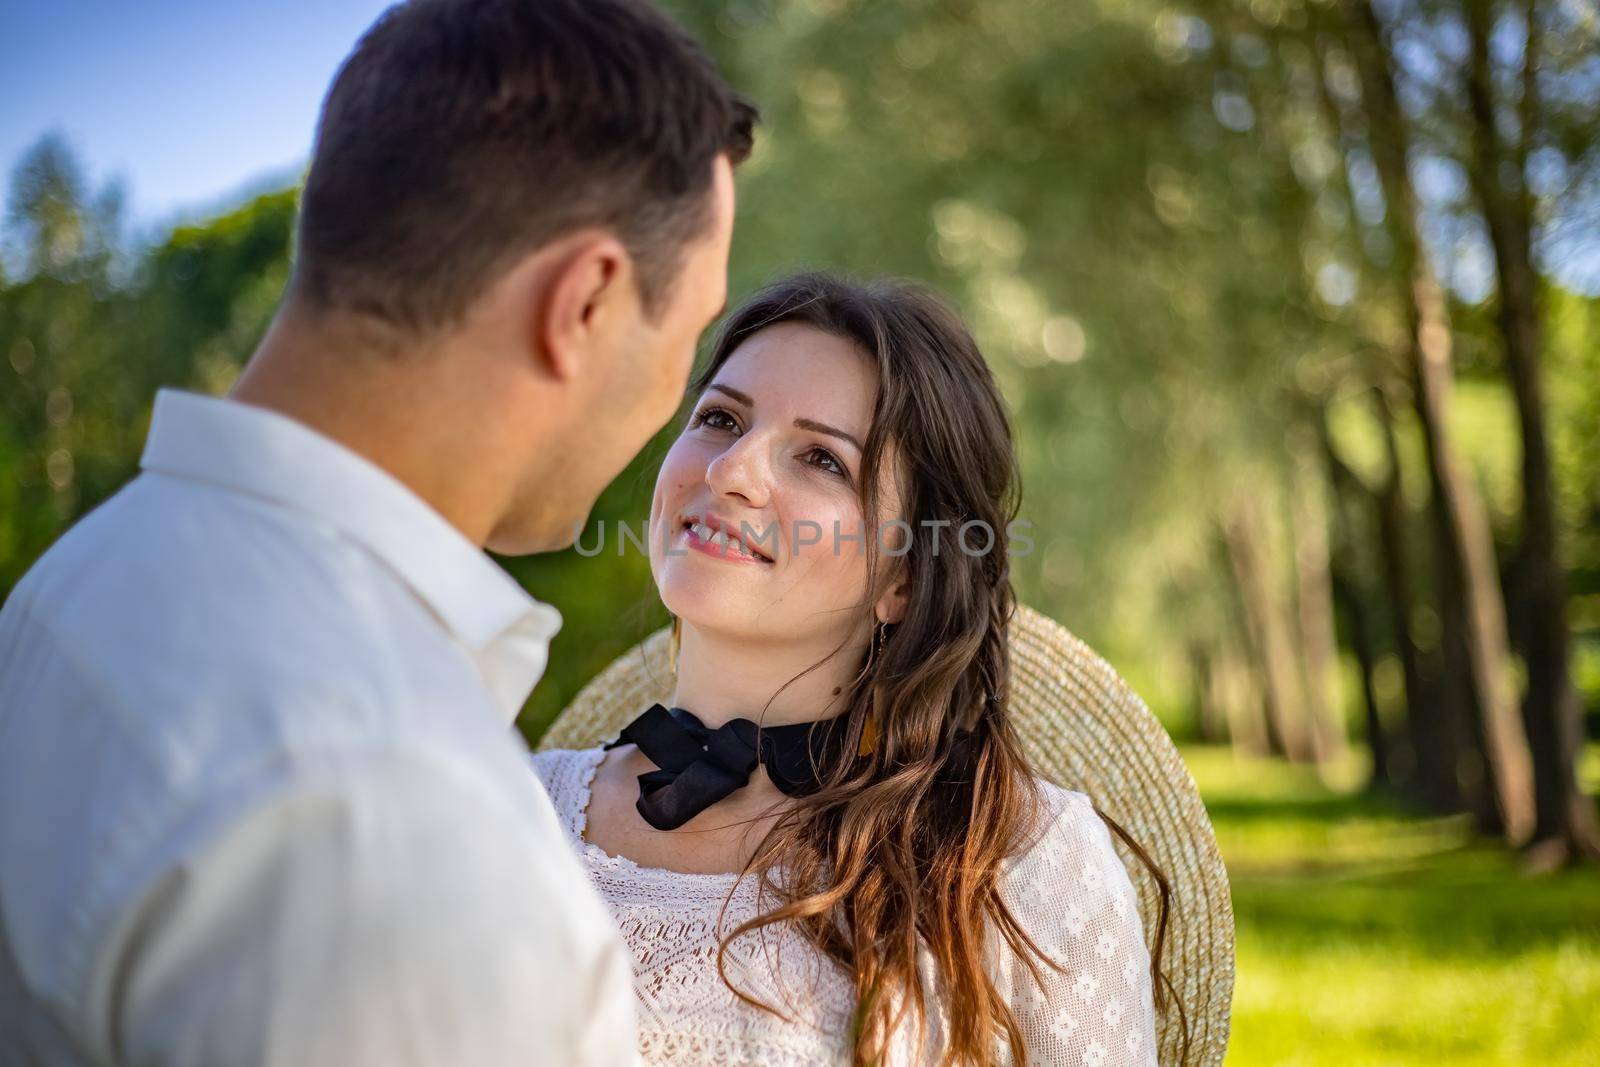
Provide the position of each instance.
(188, 102)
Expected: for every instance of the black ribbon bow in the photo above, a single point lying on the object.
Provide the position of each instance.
(699, 766)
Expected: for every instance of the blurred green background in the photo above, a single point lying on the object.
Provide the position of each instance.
(1297, 306)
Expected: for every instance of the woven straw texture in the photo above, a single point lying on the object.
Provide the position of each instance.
(1084, 729)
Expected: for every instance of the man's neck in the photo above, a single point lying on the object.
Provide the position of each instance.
(386, 408)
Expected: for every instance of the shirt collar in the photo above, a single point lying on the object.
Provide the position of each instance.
(266, 454)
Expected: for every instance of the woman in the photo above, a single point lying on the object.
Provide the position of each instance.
(831, 848)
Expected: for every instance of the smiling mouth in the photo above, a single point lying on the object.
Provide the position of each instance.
(717, 543)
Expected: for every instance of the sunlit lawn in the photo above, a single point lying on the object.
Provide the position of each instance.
(1368, 935)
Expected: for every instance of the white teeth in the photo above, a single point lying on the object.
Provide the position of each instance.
(719, 538)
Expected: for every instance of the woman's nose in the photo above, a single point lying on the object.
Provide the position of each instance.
(741, 470)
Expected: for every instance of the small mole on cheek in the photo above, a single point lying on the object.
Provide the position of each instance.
(837, 690)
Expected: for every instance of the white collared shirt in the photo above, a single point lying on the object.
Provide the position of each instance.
(260, 797)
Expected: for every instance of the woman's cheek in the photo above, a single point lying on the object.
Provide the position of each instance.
(824, 547)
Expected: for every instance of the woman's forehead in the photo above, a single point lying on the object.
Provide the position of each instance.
(800, 370)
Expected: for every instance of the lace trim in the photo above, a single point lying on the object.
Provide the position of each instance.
(689, 1047)
(587, 765)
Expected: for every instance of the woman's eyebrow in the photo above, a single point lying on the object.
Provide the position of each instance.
(822, 427)
(740, 397)
(804, 424)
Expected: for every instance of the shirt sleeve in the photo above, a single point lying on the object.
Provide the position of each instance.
(1072, 894)
(385, 911)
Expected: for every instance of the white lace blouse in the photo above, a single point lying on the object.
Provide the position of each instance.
(1069, 891)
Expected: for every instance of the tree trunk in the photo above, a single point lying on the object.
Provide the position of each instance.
(1424, 761)
(1430, 722)
(1210, 713)
(1565, 816)
(1267, 619)
(1347, 595)
(1351, 598)
(1466, 543)
(1238, 693)
(1319, 650)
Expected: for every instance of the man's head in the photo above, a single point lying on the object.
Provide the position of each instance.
(532, 199)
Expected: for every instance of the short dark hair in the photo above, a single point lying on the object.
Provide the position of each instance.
(460, 135)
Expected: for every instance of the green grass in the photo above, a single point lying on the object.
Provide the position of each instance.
(1370, 935)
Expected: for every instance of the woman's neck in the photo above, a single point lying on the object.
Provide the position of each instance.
(721, 678)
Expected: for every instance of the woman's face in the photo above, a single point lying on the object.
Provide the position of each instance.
(771, 454)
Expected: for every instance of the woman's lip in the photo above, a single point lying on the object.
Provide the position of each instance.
(732, 555)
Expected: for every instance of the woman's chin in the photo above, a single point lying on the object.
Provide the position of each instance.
(693, 597)
(708, 602)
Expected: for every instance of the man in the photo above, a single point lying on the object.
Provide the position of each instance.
(260, 797)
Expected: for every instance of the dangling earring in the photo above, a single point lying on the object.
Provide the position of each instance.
(672, 645)
(874, 646)
(869, 738)
(869, 730)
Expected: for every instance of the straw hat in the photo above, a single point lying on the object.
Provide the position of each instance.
(1084, 729)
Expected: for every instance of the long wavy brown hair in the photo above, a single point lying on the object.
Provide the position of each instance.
(902, 848)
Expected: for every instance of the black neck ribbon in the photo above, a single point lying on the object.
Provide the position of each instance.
(698, 765)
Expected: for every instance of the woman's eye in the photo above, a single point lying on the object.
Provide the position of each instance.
(710, 416)
(824, 457)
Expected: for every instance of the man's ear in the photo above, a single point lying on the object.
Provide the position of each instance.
(589, 297)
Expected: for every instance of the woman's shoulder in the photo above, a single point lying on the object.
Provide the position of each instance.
(1061, 812)
(1070, 892)
(1068, 854)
